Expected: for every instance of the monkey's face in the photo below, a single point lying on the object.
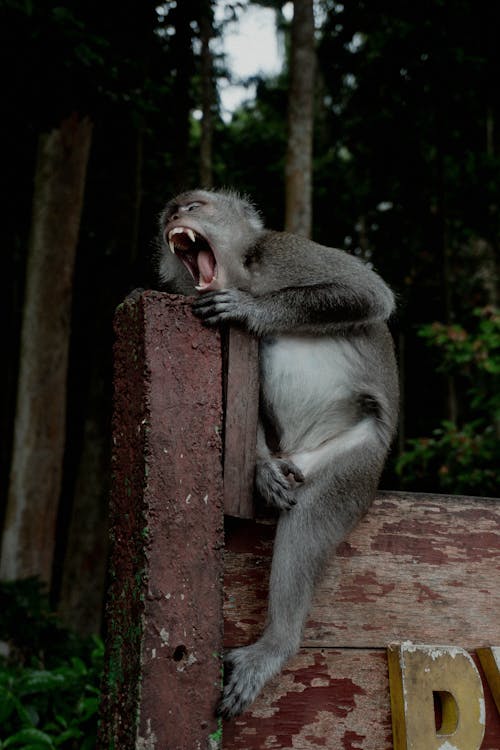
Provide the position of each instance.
(208, 232)
(185, 230)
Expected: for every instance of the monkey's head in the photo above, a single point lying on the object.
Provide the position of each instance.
(209, 232)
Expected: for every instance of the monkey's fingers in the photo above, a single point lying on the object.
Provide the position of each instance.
(273, 486)
(217, 298)
(217, 310)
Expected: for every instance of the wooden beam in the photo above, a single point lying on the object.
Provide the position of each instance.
(417, 567)
(240, 427)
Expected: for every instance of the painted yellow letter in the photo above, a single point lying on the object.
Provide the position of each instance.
(419, 675)
(490, 662)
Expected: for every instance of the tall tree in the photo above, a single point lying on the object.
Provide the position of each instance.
(298, 168)
(181, 17)
(207, 95)
(39, 434)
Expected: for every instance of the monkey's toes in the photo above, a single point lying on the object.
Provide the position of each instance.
(283, 501)
(232, 703)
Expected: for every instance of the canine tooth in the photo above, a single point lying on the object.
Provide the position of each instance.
(171, 246)
(190, 234)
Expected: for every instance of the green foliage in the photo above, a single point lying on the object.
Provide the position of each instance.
(479, 348)
(456, 460)
(49, 683)
(463, 458)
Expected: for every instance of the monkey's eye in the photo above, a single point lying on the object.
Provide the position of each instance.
(192, 206)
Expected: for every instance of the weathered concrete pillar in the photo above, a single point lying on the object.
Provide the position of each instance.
(163, 672)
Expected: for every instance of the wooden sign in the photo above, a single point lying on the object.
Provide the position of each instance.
(418, 567)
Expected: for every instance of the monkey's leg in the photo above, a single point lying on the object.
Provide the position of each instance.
(328, 506)
(293, 572)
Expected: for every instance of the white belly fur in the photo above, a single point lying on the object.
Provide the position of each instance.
(310, 383)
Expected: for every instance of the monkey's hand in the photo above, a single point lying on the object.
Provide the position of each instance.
(276, 480)
(224, 306)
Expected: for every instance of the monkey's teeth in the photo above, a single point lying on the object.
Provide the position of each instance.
(180, 230)
(183, 230)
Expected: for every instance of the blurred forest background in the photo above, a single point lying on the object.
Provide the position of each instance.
(109, 109)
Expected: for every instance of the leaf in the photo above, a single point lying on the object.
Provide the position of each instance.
(39, 681)
(88, 707)
(69, 734)
(7, 704)
(29, 736)
(78, 665)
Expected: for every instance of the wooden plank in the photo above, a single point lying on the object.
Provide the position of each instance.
(240, 427)
(333, 699)
(418, 567)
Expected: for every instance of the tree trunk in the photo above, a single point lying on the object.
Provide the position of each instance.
(182, 50)
(82, 543)
(81, 605)
(298, 168)
(39, 432)
(207, 98)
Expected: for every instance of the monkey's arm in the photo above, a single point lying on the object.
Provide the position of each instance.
(308, 309)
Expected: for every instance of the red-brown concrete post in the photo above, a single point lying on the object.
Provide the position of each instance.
(163, 672)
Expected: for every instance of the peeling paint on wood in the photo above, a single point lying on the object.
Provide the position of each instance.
(324, 699)
(333, 699)
(440, 553)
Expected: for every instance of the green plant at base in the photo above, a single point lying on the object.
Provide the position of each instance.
(49, 685)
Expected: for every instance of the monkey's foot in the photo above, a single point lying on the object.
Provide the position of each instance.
(276, 480)
(246, 670)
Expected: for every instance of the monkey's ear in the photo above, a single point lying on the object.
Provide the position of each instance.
(252, 213)
(243, 202)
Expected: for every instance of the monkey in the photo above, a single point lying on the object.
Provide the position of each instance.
(328, 393)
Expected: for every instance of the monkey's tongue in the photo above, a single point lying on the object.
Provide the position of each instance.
(206, 268)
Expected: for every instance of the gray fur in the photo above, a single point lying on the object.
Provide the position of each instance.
(328, 387)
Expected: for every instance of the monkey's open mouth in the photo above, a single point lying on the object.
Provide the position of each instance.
(195, 253)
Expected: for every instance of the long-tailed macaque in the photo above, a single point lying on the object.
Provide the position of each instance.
(328, 393)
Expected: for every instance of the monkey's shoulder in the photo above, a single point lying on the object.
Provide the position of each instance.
(272, 242)
(297, 260)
